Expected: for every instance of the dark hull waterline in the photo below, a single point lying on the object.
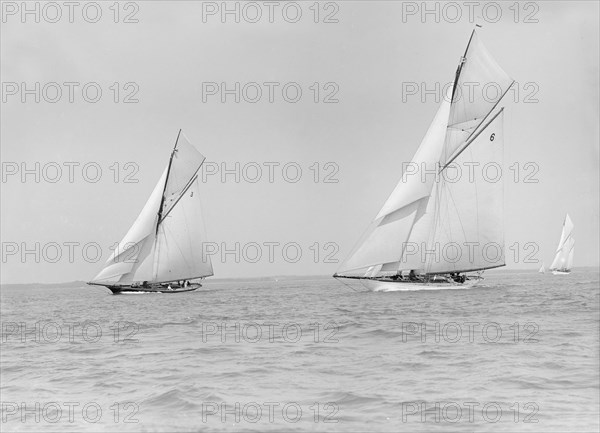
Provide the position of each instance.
(128, 290)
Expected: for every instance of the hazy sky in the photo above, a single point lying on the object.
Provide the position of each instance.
(368, 54)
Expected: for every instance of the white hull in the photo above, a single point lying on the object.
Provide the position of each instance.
(561, 272)
(405, 286)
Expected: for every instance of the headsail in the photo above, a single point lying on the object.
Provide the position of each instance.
(383, 241)
(138, 243)
(165, 241)
(563, 260)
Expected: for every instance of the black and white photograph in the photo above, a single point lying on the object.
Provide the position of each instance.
(300, 216)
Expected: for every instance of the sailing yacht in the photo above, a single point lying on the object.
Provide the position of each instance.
(435, 228)
(542, 269)
(563, 260)
(162, 251)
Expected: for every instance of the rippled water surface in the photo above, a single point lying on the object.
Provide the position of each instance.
(517, 353)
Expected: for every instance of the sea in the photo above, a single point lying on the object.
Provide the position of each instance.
(518, 352)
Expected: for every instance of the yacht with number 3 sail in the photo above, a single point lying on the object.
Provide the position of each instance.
(162, 251)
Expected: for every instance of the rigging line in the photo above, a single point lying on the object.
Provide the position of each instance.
(176, 244)
(348, 285)
(436, 218)
(188, 185)
(431, 236)
(469, 141)
(456, 207)
(562, 244)
(471, 270)
(187, 231)
(493, 108)
(456, 127)
(370, 229)
(451, 199)
(203, 232)
(419, 202)
(194, 176)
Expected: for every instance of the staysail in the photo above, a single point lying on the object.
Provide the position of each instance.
(563, 260)
(165, 241)
(439, 223)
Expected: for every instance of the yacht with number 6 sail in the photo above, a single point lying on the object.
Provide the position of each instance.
(435, 228)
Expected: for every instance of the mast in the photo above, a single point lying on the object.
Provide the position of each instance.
(463, 59)
(162, 201)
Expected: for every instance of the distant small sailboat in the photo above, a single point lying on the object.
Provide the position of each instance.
(401, 248)
(162, 251)
(542, 269)
(563, 260)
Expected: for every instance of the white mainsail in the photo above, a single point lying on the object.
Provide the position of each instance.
(468, 233)
(165, 241)
(563, 260)
(427, 215)
(542, 269)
